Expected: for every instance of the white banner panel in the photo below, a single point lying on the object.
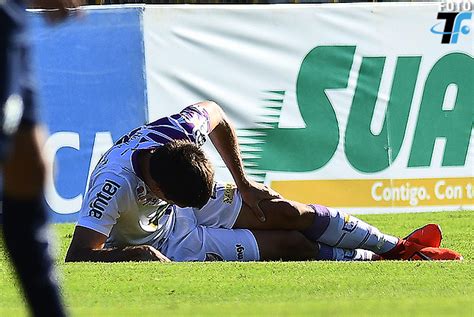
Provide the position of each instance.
(368, 107)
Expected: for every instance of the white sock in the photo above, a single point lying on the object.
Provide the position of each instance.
(348, 232)
(338, 254)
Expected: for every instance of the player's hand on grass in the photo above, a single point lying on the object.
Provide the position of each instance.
(57, 10)
(254, 193)
(145, 253)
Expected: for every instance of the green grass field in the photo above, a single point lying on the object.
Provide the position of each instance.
(389, 288)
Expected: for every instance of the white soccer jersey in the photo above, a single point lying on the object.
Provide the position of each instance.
(118, 203)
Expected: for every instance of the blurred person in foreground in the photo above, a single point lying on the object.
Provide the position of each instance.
(152, 197)
(23, 164)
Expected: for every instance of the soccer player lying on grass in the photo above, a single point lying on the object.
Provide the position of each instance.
(152, 196)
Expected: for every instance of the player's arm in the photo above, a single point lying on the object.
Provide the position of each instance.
(88, 245)
(106, 196)
(224, 138)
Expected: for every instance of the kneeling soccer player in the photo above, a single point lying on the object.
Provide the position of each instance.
(152, 196)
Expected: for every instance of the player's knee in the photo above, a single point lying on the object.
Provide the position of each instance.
(296, 240)
(290, 215)
(295, 246)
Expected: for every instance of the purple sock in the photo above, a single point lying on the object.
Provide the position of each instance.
(320, 223)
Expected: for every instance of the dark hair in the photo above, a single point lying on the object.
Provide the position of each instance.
(183, 173)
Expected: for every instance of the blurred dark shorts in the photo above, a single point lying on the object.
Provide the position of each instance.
(17, 92)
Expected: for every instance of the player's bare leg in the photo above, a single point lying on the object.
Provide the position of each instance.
(318, 224)
(280, 214)
(333, 228)
(283, 245)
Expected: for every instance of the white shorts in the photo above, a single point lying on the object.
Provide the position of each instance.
(222, 209)
(205, 235)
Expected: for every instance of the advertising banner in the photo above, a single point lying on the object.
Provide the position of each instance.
(367, 107)
(91, 86)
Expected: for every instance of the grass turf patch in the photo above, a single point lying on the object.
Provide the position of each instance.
(390, 288)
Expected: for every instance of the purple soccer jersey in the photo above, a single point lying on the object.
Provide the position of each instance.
(191, 124)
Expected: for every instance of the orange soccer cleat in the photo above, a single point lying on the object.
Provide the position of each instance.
(429, 235)
(436, 254)
(406, 250)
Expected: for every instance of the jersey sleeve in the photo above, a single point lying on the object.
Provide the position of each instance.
(108, 197)
(195, 121)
